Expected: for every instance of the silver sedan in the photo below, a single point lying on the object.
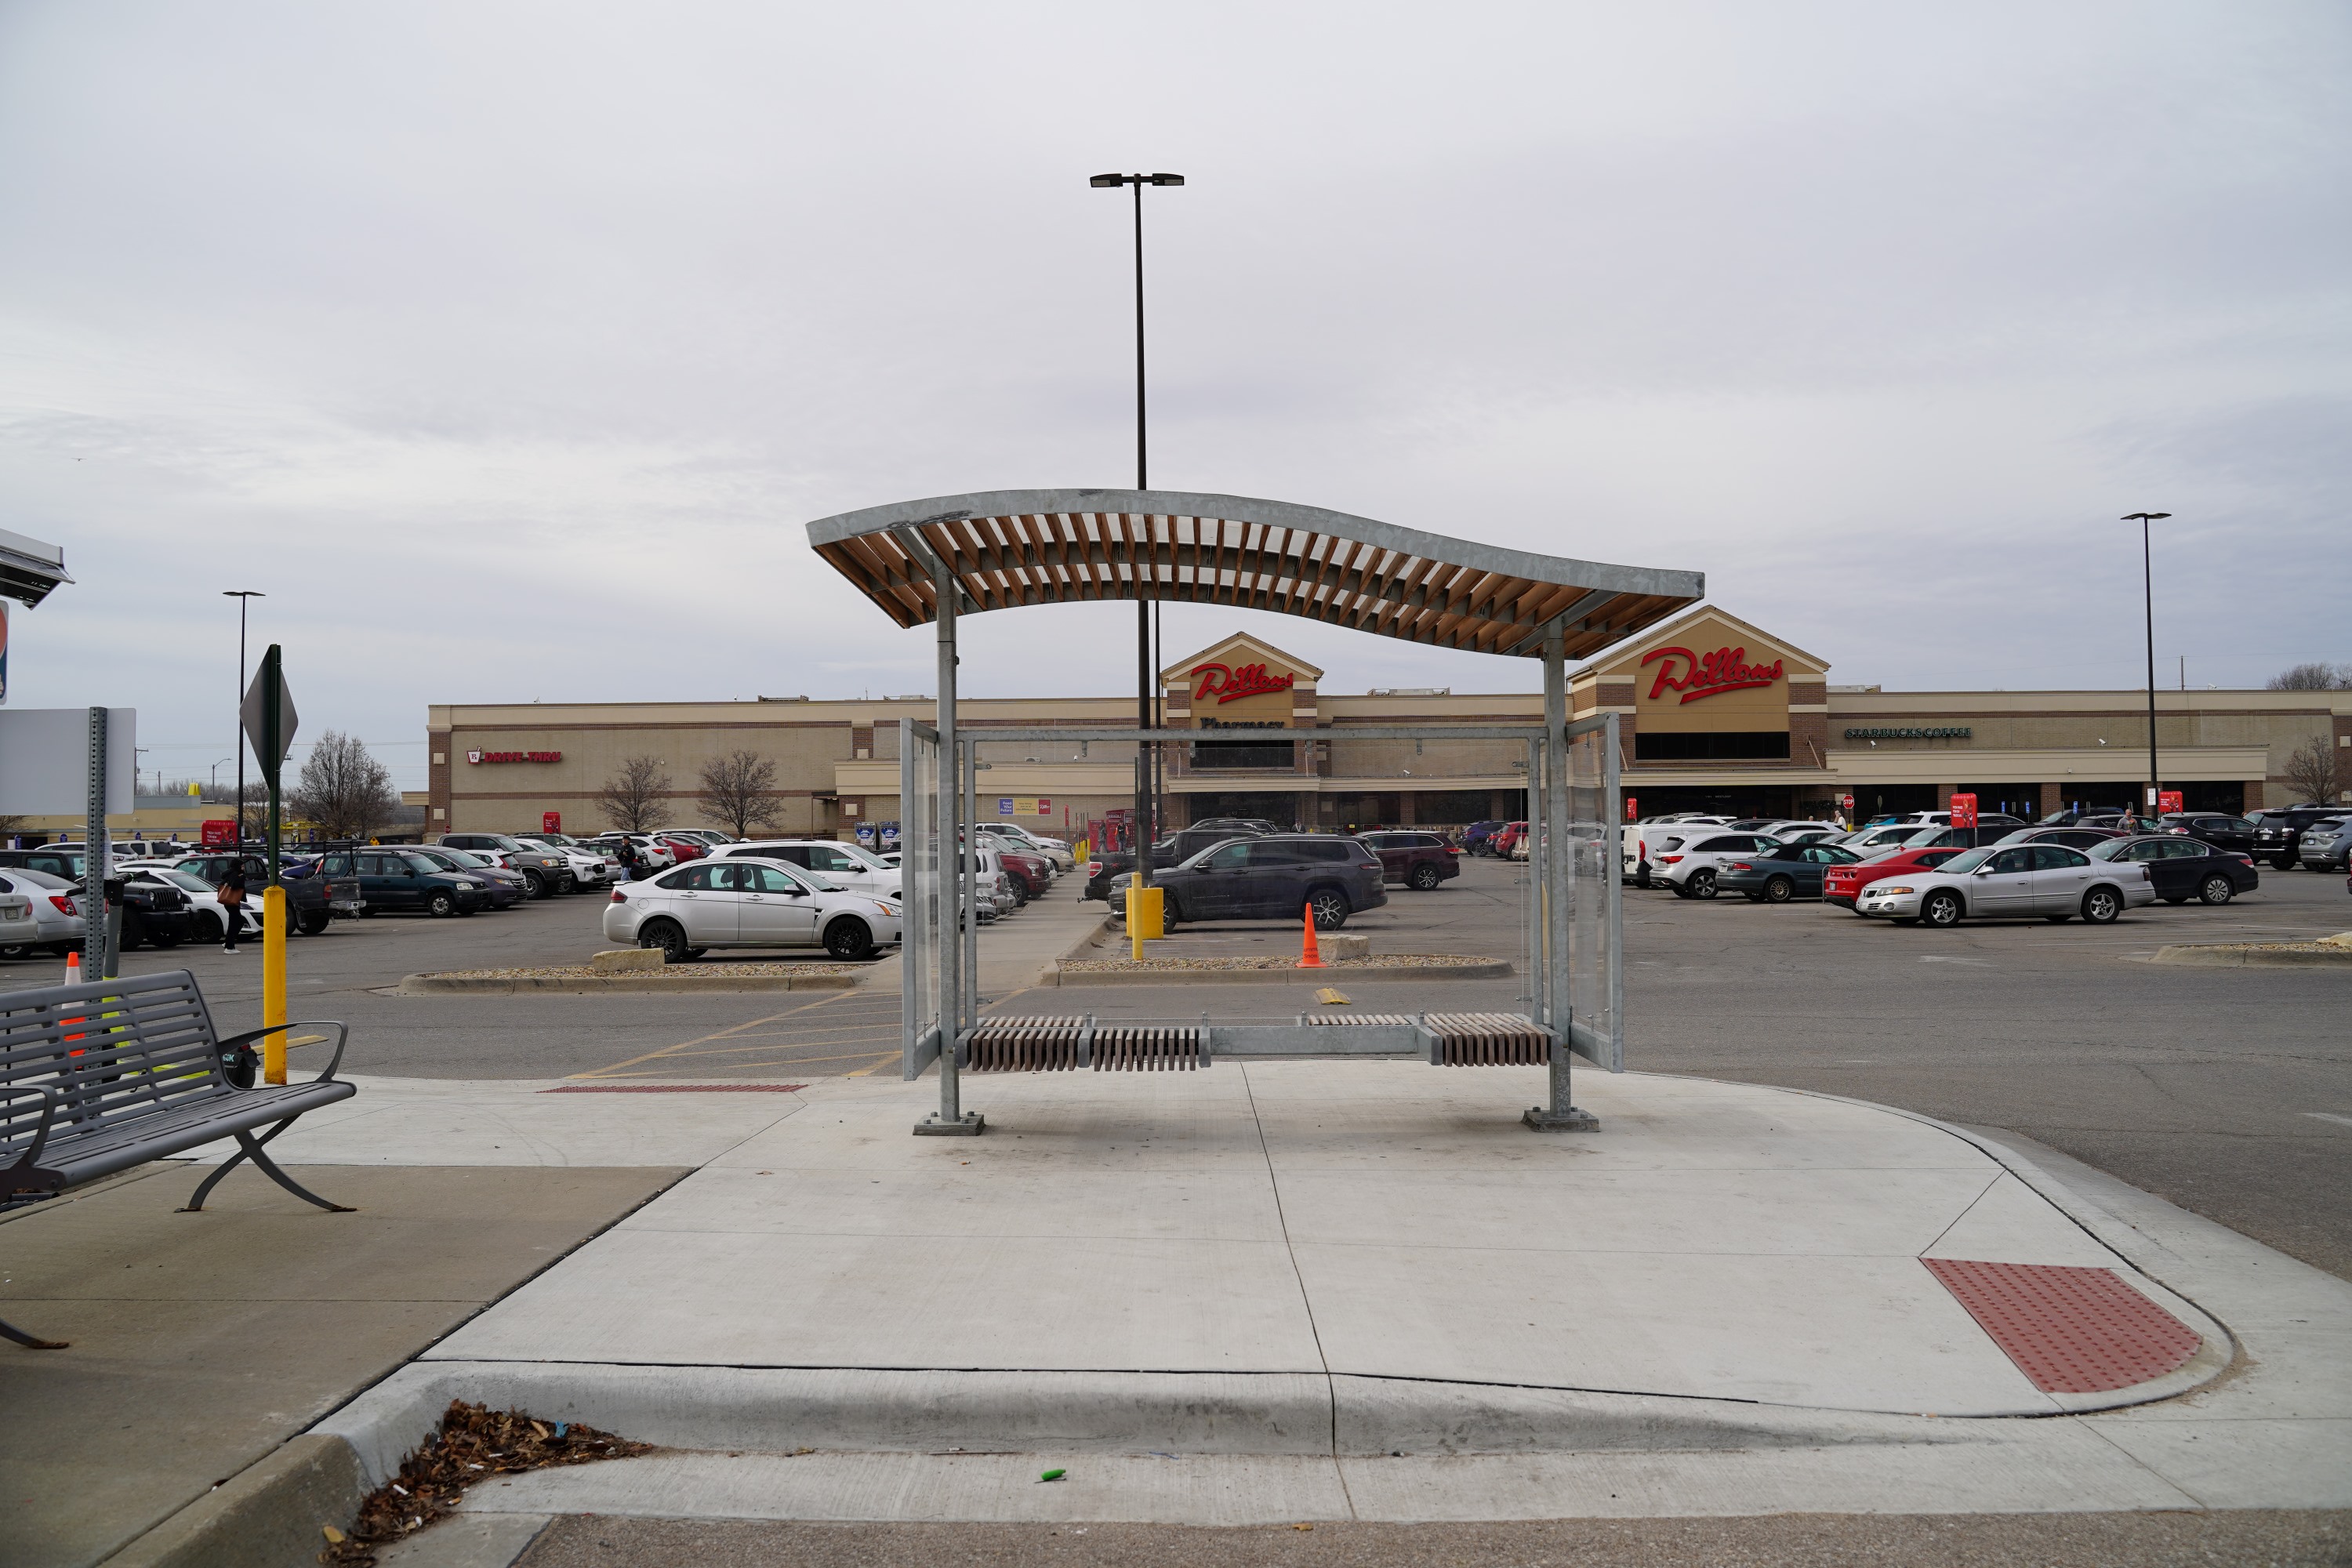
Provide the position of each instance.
(2011, 881)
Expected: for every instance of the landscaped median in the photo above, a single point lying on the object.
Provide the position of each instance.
(585, 978)
(2326, 952)
(1243, 971)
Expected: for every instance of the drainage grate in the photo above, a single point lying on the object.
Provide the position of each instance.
(677, 1089)
(2072, 1330)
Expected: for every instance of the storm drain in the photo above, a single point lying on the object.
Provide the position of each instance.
(2070, 1330)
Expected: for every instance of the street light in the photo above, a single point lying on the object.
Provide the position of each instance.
(2147, 589)
(216, 773)
(1146, 675)
(240, 595)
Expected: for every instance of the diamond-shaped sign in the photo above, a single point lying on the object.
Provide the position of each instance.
(255, 713)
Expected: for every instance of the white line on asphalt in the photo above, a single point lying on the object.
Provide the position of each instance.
(2329, 1116)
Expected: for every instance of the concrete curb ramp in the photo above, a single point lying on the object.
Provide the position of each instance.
(1362, 973)
(2248, 955)
(605, 985)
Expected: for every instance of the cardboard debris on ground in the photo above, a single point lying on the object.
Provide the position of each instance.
(473, 1444)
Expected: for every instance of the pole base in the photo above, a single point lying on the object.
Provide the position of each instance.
(970, 1125)
(1543, 1119)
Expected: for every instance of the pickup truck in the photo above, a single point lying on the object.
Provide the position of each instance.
(312, 901)
(1112, 869)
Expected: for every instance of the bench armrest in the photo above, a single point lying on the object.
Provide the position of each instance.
(343, 1036)
(50, 1101)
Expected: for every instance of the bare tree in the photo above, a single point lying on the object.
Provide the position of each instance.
(736, 794)
(636, 799)
(2313, 773)
(343, 789)
(2311, 678)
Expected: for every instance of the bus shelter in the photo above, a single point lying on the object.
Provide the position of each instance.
(939, 559)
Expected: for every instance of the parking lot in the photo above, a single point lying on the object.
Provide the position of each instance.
(2225, 1090)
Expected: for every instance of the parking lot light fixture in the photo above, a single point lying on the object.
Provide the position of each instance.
(1147, 680)
(2148, 592)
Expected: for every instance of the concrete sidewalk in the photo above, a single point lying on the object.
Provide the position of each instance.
(1362, 1290)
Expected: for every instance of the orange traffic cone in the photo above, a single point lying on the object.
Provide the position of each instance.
(73, 977)
(1308, 958)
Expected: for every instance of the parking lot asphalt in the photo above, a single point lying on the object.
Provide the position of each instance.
(2224, 1090)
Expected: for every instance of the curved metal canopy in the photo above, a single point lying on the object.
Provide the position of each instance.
(1007, 548)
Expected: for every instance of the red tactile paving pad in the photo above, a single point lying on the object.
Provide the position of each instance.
(2072, 1330)
(676, 1089)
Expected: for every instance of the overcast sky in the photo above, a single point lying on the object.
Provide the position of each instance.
(508, 348)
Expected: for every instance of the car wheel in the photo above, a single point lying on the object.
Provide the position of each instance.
(2284, 863)
(1681, 890)
(848, 940)
(314, 922)
(1941, 910)
(209, 928)
(1424, 880)
(1329, 906)
(441, 904)
(165, 938)
(1781, 890)
(2101, 905)
(2217, 890)
(566, 882)
(1702, 884)
(534, 885)
(668, 936)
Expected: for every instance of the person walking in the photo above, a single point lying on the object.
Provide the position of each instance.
(630, 869)
(232, 901)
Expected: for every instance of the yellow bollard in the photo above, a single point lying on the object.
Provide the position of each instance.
(273, 982)
(1144, 922)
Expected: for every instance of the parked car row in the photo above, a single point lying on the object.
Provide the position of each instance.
(1922, 871)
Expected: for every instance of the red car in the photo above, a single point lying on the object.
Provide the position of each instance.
(1034, 873)
(685, 849)
(1844, 884)
(1507, 838)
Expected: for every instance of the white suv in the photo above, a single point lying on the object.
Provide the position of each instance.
(591, 868)
(1690, 868)
(843, 864)
(1645, 846)
(1056, 853)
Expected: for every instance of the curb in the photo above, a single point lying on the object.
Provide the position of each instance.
(604, 985)
(2221, 956)
(270, 1512)
(1338, 969)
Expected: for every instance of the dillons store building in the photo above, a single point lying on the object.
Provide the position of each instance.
(1717, 714)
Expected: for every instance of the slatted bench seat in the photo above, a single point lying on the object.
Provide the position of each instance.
(1047, 1044)
(98, 1077)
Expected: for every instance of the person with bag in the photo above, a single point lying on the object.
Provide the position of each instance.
(232, 901)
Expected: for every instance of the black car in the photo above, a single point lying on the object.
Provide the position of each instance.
(2217, 829)
(2325, 843)
(2183, 869)
(506, 888)
(1411, 859)
(151, 913)
(1782, 872)
(1276, 877)
(395, 879)
(1113, 867)
(2278, 832)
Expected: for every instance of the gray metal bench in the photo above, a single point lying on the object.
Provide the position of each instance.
(96, 1079)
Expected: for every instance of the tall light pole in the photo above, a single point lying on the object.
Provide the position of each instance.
(2148, 589)
(240, 595)
(1146, 676)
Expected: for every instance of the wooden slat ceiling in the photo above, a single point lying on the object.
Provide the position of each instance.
(1063, 557)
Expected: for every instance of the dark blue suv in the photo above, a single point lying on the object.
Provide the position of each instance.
(1277, 877)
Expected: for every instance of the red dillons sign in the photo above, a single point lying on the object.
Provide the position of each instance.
(1225, 683)
(1725, 670)
(514, 756)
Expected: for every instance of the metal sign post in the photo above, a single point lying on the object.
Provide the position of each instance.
(269, 723)
(98, 950)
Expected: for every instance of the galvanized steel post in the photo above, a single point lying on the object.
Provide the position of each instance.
(953, 909)
(97, 960)
(1560, 1115)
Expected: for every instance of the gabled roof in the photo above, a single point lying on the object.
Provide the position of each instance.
(1248, 648)
(1008, 548)
(1669, 631)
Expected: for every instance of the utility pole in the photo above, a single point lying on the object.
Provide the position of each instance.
(2147, 589)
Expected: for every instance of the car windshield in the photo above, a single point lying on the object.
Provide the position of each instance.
(459, 857)
(1968, 860)
(866, 858)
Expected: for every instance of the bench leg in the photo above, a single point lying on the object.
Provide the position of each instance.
(10, 1331)
(250, 1148)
